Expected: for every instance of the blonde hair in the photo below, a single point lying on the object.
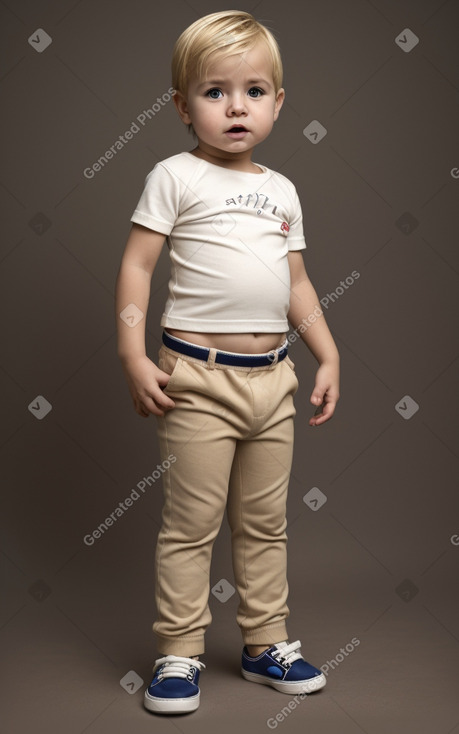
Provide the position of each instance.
(220, 34)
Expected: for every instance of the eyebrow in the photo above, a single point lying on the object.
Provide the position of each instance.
(221, 82)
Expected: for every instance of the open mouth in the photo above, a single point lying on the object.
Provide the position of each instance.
(237, 129)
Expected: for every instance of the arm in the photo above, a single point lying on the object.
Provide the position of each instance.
(144, 378)
(304, 307)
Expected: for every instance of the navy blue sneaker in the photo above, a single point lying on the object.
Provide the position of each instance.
(283, 668)
(174, 688)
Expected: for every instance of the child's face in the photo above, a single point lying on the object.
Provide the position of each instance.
(237, 91)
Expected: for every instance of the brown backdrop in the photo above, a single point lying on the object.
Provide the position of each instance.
(373, 506)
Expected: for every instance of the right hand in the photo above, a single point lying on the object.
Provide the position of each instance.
(145, 381)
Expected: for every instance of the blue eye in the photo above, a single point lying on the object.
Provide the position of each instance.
(255, 92)
(213, 93)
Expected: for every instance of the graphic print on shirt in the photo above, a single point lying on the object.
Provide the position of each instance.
(255, 201)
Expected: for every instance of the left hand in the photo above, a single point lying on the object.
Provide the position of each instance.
(326, 392)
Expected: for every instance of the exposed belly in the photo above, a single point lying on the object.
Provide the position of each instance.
(244, 343)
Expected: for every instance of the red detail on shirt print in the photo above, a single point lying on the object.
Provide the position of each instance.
(285, 228)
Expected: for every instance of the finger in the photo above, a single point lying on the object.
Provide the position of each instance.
(141, 409)
(317, 396)
(162, 400)
(324, 416)
(158, 403)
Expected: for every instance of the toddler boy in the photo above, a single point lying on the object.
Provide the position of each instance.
(223, 390)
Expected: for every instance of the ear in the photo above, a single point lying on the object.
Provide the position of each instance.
(182, 107)
(280, 96)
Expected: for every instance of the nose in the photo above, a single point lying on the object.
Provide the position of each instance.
(237, 104)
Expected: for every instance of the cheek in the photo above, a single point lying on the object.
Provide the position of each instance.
(206, 118)
(266, 120)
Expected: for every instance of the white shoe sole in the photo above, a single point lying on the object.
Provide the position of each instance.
(171, 705)
(301, 686)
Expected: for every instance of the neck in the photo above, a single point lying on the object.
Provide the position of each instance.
(235, 161)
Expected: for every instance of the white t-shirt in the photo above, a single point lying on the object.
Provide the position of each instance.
(228, 234)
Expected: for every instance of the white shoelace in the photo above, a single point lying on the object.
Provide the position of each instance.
(287, 654)
(177, 667)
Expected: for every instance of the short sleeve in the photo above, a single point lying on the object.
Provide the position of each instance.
(295, 238)
(158, 207)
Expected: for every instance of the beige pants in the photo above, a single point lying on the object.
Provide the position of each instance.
(231, 434)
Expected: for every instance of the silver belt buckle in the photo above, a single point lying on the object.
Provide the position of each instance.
(273, 356)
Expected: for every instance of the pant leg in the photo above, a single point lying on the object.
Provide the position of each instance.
(257, 510)
(195, 494)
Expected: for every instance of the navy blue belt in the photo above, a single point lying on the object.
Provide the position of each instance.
(230, 358)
